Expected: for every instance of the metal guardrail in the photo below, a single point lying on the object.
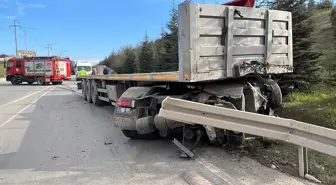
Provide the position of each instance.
(302, 134)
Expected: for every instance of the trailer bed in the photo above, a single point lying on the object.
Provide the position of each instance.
(159, 77)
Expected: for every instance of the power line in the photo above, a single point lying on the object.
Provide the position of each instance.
(25, 35)
(16, 43)
(49, 47)
(62, 52)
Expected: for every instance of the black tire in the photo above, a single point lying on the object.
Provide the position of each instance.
(94, 94)
(84, 89)
(150, 136)
(235, 139)
(132, 134)
(88, 91)
(60, 83)
(40, 81)
(276, 100)
(14, 80)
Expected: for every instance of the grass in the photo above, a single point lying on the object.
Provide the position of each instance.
(317, 107)
(2, 70)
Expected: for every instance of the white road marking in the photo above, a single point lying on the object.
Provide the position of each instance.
(10, 119)
(22, 98)
(79, 94)
(217, 171)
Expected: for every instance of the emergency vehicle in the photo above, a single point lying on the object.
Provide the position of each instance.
(43, 70)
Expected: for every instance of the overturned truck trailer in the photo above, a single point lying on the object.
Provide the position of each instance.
(227, 56)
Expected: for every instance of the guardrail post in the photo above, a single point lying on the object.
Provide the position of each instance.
(303, 161)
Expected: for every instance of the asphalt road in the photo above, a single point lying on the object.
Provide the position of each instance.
(49, 135)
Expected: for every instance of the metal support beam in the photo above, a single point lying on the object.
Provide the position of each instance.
(303, 161)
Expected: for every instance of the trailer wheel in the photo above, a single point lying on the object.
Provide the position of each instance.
(94, 94)
(84, 89)
(132, 134)
(149, 136)
(40, 81)
(235, 139)
(88, 91)
(276, 100)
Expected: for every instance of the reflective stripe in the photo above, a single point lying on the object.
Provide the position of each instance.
(82, 73)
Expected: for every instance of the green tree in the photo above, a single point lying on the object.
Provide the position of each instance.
(324, 4)
(130, 65)
(114, 62)
(306, 64)
(169, 42)
(161, 54)
(311, 5)
(146, 63)
(332, 66)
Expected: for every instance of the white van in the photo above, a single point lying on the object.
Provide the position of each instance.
(86, 65)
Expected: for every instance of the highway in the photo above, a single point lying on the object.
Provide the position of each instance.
(49, 135)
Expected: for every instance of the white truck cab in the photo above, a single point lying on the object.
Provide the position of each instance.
(86, 65)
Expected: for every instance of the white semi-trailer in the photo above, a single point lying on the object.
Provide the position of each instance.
(227, 56)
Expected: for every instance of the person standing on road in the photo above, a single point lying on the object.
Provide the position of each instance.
(82, 72)
(94, 71)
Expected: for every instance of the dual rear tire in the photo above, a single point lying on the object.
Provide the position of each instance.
(90, 92)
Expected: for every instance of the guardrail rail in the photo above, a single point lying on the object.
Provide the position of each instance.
(302, 134)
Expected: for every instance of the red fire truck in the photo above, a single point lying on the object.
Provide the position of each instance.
(43, 70)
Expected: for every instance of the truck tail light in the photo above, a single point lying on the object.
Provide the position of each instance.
(125, 103)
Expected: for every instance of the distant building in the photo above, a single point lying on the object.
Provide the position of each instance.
(4, 57)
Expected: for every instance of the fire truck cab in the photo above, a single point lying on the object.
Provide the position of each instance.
(43, 70)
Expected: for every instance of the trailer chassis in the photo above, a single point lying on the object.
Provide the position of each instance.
(137, 104)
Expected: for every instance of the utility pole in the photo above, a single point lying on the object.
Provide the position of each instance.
(16, 43)
(25, 35)
(62, 52)
(49, 47)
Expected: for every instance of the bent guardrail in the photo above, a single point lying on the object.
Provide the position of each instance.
(302, 134)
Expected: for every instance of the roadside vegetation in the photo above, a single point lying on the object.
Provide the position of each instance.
(2, 71)
(316, 107)
(313, 99)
